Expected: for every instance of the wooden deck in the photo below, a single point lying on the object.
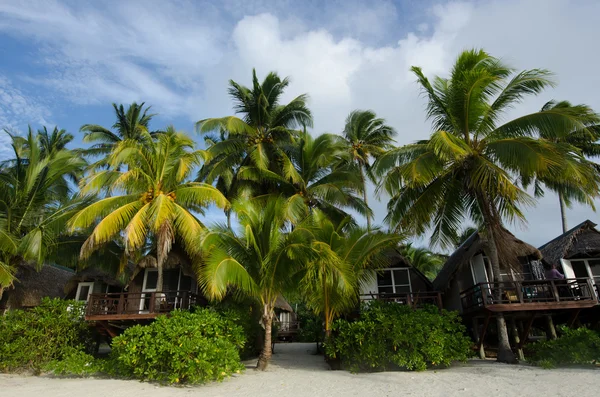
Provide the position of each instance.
(136, 305)
(416, 299)
(511, 296)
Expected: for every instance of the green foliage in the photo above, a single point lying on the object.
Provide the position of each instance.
(51, 332)
(245, 313)
(75, 362)
(579, 346)
(311, 325)
(182, 348)
(389, 335)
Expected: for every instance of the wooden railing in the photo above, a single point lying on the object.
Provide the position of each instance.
(543, 293)
(415, 299)
(287, 326)
(127, 305)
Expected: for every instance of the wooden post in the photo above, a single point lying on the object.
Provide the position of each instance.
(517, 340)
(121, 304)
(481, 349)
(152, 303)
(526, 331)
(573, 318)
(486, 323)
(550, 329)
(409, 300)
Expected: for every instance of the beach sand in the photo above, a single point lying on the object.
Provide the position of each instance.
(296, 371)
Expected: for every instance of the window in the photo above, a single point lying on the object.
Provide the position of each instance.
(150, 280)
(83, 291)
(580, 269)
(595, 269)
(394, 281)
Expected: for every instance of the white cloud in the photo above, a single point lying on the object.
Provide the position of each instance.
(179, 56)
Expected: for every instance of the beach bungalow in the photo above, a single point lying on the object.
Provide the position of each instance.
(576, 253)
(524, 295)
(402, 283)
(32, 285)
(286, 320)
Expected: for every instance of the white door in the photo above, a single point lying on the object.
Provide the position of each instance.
(83, 291)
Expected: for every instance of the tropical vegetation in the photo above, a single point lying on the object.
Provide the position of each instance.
(294, 201)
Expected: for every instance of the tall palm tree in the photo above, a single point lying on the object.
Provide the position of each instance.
(586, 140)
(54, 141)
(264, 126)
(261, 261)
(314, 176)
(130, 124)
(367, 137)
(35, 202)
(151, 198)
(347, 257)
(468, 167)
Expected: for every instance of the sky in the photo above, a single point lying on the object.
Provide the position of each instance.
(64, 62)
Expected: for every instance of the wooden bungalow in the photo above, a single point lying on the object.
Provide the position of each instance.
(524, 295)
(285, 320)
(32, 285)
(402, 283)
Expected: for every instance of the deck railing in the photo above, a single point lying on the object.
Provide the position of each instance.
(545, 292)
(415, 299)
(137, 304)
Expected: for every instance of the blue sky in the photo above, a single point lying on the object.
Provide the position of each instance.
(64, 62)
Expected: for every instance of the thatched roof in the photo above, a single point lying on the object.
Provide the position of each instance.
(31, 286)
(176, 259)
(97, 274)
(509, 251)
(282, 304)
(581, 241)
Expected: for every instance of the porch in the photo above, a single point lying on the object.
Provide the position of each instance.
(534, 295)
(136, 305)
(416, 300)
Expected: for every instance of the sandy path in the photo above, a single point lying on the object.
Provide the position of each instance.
(295, 371)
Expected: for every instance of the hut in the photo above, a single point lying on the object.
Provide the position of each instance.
(576, 253)
(95, 280)
(32, 285)
(286, 320)
(400, 282)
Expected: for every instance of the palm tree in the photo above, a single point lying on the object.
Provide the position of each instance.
(426, 261)
(586, 140)
(130, 124)
(367, 137)
(53, 141)
(154, 199)
(264, 127)
(261, 261)
(314, 176)
(35, 202)
(347, 257)
(468, 167)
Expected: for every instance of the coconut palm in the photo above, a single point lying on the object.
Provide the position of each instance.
(264, 126)
(586, 140)
(314, 176)
(54, 141)
(130, 124)
(346, 259)
(367, 137)
(151, 198)
(35, 202)
(261, 261)
(468, 167)
(426, 261)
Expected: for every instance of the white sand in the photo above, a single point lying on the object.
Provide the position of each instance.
(296, 372)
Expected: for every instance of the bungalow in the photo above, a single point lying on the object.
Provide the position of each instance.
(523, 296)
(32, 285)
(576, 253)
(400, 282)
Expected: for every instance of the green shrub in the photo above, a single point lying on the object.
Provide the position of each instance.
(579, 346)
(311, 325)
(246, 314)
(30, 339)
(75, 363)
(389, 335)
(184, 347)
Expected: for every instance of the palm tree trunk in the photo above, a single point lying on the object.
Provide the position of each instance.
(267, 352)
(364, 183)
(505, 353)
(228, 214)
(563, 212)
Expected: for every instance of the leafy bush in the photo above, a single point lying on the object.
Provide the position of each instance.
(246, 314)
(389, 335)
(75, 362)
(311, 325)
(579, 346)
(184, 347)
(30, 339)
